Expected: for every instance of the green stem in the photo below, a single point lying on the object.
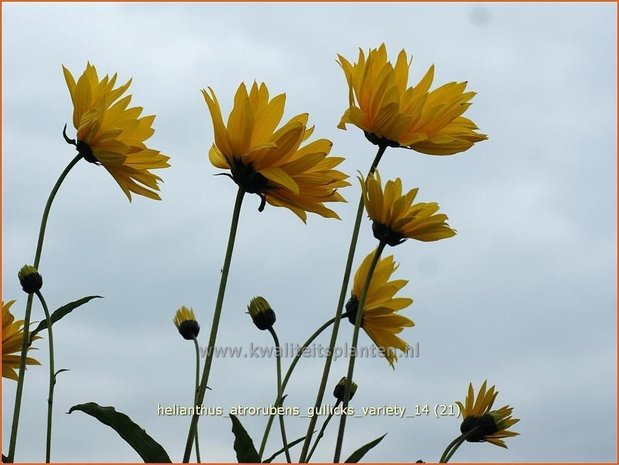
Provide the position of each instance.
(353, 348)
(321, 433)
(280, 391)
(25, 341)
(453, 445)
(338, 312)
(195, 394)
(215, 325)
(52, 378)
(296, 359)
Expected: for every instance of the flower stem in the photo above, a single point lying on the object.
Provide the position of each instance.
(25, 341)
(52, 378)
(296, 359)
(215, 325)
(195, 395)
(453, 445)
(353, 350)
(321, 433)
(338, 311)
(280, 391)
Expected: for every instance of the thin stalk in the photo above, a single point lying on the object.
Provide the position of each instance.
(321, 433)
(353, 348)
(25, 342)
(453, 445)
(338, 312)
(215, 325)
(296, 359)
(52, 378)
(280, 391)
(195, 395)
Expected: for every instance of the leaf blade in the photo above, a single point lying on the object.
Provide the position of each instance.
(243, 445)
(62, 312)
(359, 453)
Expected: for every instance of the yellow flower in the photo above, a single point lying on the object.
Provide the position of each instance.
(396, 218)
(492, 425)
(272, 162)
(380, 320)
(394, 115)
(111, 134)
(186, 323)
(12, 337)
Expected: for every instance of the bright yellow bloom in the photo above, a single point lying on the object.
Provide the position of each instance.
(12, 337)
(111, 134)
(271, 162)
(394, 115)
(186, 323)
(492, 425)
(395, 216)
(380, 320)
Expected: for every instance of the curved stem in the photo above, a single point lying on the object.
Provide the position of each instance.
(453, 445)
(296, 359)
(25, 341)
(195, 394)
(338, 312)
(52, 378)
(353, 350)
(215, 325)
(321, 433)
(280, 391)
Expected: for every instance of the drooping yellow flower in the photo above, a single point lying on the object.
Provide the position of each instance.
(396, 218)
(111, 134)
(380, 320)
(186, 323)
(272, 162)
(394, 115)
(491, 425)
(12, 337)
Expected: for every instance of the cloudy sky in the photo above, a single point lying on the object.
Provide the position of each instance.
(523, 296)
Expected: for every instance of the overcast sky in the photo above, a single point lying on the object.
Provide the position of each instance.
(523, 296)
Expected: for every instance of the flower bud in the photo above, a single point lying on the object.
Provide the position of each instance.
(185, 322)
(30, 279)
(261, 313)
(340, 389)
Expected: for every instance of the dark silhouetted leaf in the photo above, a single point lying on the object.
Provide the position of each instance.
(243, 445)
(61, 312)
(282, 450)
(359, 453)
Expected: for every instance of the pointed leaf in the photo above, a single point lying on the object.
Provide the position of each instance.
(243, 445)
(133, 434)
(359, 453)
(61, 312)
(283, 449)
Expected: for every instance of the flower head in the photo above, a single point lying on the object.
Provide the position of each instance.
(394, 115)
(186, 323)
(381, 320)
(261, 313)
(490, 425)
(30, 279)
(111, 134)
(274, 163)
(12, 337)
(396, 218)
(340, 389)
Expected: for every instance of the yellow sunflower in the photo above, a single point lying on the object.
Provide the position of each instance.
(492, 425)
(380, 320)
(186, 323)
(394, 115)
(12, 337)
(271, 162)
(396, 218)
(113, 135)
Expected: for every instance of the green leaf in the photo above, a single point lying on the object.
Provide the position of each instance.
(282, 450)
(243, 445)
(359, 453)
(134, 435)
(61, 312)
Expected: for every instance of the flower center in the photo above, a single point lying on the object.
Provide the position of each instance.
(485, 427)
(385, 234)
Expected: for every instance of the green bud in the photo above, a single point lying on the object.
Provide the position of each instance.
(30, 279)
(261, 313)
